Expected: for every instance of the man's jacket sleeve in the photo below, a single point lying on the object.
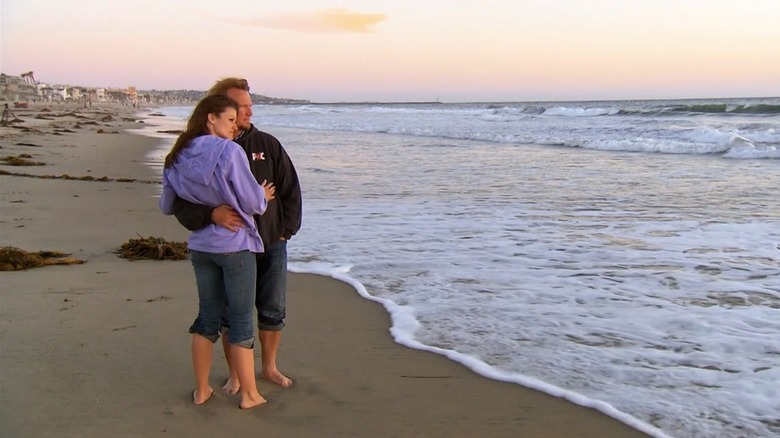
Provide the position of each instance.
(192, 216)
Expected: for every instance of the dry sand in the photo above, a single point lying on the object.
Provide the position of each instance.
(101, 349)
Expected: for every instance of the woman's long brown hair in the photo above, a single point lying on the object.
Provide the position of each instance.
(198, 123)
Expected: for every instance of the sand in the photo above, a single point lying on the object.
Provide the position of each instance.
(101, 348)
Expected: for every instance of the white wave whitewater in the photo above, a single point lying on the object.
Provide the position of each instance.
(624, 255)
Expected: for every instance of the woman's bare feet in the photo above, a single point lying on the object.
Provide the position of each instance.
(276, 377)
(244, 361)
(231, 386)
(200, 397)
(249, 401)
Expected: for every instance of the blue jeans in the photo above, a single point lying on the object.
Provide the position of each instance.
(271, 293)
(271, 289)
(225, 278)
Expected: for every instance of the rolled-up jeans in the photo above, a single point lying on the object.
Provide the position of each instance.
(222, 279)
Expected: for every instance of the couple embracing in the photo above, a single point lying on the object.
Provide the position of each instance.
(237, 190)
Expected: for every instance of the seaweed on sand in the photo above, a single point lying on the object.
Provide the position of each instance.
(15, 259)
(153, 248)
(21, 160)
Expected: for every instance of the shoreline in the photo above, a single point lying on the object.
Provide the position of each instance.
(111, 334)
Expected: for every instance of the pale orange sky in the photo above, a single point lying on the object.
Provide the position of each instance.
(357, 50)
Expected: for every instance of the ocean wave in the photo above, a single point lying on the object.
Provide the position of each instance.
(742, 148)
(580, 112)
(743, 129)
(726, 108)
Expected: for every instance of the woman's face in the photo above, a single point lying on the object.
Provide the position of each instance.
(224, 124)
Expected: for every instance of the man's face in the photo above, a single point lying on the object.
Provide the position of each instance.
(244, 118)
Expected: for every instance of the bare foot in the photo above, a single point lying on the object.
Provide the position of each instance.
(276, 377)
(231, 386)
(199, 398)
(250, 401)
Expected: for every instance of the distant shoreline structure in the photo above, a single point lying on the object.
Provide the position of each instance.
(25, 88)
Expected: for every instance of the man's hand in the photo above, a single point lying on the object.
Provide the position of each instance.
(269, 189)
(227, 218)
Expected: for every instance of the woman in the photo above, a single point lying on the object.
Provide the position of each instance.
(206, 167)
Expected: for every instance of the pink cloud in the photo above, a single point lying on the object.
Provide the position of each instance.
(327, 20)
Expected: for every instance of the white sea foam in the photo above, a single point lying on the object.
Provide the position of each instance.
(580, 112)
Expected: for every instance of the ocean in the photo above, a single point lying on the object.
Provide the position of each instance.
(624, 255)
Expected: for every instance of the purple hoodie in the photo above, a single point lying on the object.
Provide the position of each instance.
(214, 171)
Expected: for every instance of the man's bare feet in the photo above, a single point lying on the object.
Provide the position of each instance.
(199, 398)
(276, 377)
(250, 401)
(231, 386)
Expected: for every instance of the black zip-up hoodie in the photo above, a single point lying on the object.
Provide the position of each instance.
(268, 161)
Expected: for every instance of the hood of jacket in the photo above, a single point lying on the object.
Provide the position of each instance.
(198, 161)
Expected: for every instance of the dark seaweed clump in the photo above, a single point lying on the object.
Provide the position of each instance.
(15, 259)
(153, 248)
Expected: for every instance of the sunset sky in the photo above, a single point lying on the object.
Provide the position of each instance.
(401, 50)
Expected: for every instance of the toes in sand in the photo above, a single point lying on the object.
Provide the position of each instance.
(277, 378)
(200, 397)
(231, 386)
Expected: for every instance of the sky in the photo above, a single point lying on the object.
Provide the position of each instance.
(404, 50)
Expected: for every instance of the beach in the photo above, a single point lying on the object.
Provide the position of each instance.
(101, 348)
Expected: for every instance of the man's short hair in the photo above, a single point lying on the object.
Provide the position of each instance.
(223, 85)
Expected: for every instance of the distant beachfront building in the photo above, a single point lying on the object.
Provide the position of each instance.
(94, 95)
(132, 95)
(118, 95)
(21, 88)
(54, 93)
(75, 94)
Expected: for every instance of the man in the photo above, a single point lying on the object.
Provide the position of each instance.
(269, 162)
